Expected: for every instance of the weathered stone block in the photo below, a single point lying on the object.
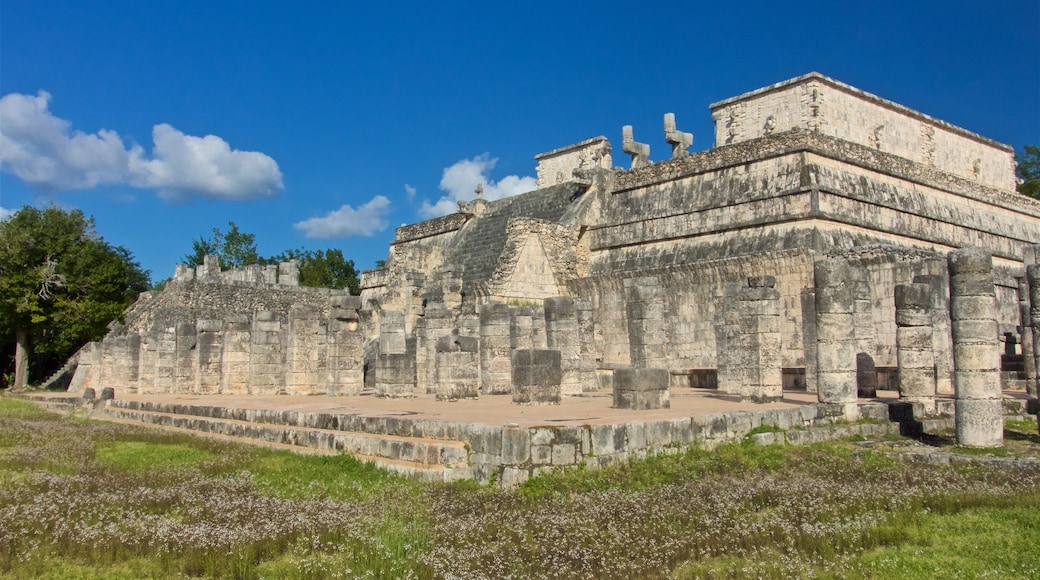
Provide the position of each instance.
(980, 422)
(641, 389)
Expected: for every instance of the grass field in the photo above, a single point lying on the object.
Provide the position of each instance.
(86, 499)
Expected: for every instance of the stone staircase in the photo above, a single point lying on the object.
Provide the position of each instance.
(437, 450)
(61, 378)
(394, 443)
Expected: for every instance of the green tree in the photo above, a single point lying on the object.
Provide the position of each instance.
(60, 286)
(1029, 171)
(323, 269)
(234, 248)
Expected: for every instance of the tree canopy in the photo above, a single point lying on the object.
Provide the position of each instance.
(1029, 171)
(234, 248)
(60, 286)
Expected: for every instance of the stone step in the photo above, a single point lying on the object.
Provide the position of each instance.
(434, 459)
(408, 468)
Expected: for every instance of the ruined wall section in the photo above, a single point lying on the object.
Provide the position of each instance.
(693, 297)
(816, 103)
(194, 300)
(478, 245)
(416, 248)
(801, 190)
(537, 261)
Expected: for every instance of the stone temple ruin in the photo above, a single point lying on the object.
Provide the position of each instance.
(830, 241)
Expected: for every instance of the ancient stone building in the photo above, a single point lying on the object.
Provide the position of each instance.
(769, 261)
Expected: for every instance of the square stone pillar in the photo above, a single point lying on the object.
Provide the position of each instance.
(395, 375)
(184, 358)
(561, 333)
(165, 360)
(146, 364)
(587, 341)
(457, 368)
(1032, 318)
(836, 343)
(759, 342)
(647, 327)
(976, 349)
(495, 348)
(536, 376)
(267, 355)
(436, 322)
(641, 389)
(209, 352)
(346, 370)
(942, 340)
(234, 364)
(914, 344)
(304, 349)
(1025, 324)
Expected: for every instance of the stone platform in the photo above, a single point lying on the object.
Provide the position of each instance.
(491, 439)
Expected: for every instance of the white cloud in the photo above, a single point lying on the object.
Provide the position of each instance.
(43, 151)
(5, 213)
(346, 221)
(460, 182)
(183, 165)
(408, 189)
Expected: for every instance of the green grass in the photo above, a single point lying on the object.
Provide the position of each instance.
(141, 456)
(338, 477)
(972, 543)
(87, 499)
(19, 409)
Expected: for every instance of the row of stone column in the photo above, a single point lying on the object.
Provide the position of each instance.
(259, 355)
(973, 326)
(485, 345)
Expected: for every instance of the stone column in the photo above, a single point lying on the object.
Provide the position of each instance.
(146, 364)
(267, 355)
(234, 363)
(391, 333)
(587, 339)
(457, 368)
(210, 352)
(435, 323)
(808, 301)
(914, 344)
(836, 334)
(1028, 346)
(346, 373)
(647, 330)
(165, 360)
(495, 346)
(976, 354)
(184, 358)
(942, 342)
(303, 353)
(536, 376)
(728, 359)
(395, 375)
(641, 389)
(863, 316)
(521, 329)
(1033, 279)
(759, 341)
(106, 368)
(561, 333)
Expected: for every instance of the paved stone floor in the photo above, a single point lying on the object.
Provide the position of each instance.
(589, 409)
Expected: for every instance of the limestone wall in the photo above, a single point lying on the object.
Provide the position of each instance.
(557, 166)
(820, 104)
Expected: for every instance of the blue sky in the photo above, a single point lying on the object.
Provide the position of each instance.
(328, 124)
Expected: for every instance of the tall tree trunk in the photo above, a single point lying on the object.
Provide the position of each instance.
(21, 359)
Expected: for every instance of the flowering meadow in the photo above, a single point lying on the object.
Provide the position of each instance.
(88, 499)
